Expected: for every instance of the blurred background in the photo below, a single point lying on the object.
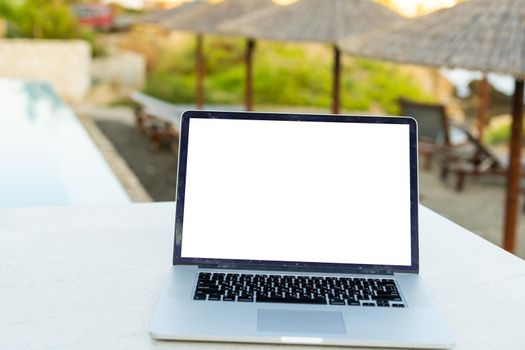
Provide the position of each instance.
(91, 92)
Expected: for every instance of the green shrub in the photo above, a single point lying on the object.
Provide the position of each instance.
(284, 74)
(98, 47)
(44, 19)
(499, 134)
(171, 87)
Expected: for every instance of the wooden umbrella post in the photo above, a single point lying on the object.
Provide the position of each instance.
(483, 106)
(248, 89)
(513, 176)
(336, 88)
(199, 84)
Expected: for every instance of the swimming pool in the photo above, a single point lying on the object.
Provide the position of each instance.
(46, 157)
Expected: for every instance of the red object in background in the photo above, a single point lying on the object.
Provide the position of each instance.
(95, 16)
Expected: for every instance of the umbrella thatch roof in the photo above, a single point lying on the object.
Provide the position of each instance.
(313, 20)
(486, 35)
(206, 19)
(162, 15)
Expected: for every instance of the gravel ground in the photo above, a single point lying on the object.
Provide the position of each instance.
(479, 208)
(156, 170)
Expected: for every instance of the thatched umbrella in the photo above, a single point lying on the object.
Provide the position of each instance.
(168, 16)
(484, 35)
(205, 20)
(325, 21)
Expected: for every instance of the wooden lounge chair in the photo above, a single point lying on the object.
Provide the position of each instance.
(459, 151)
(433, 127)
(479, 160)
(158, 120)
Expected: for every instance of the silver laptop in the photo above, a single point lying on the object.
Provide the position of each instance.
(298, 229)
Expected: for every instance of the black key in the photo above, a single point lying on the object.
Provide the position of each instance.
(228, 298)
(353, 303)
(337, 302)
(387, 293)
(244, 299)
(208, 291)
(386, 296)
(199, 297)
(266, 299)
(369, 304)
(206, 284)
(214, 297)
(398, 305)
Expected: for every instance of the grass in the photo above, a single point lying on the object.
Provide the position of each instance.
(500, 134)
(284, 74)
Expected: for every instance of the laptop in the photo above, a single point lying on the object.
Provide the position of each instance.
(298, 229)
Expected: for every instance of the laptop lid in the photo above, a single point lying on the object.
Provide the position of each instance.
(297, 192)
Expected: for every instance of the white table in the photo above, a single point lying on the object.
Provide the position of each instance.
(89, 278)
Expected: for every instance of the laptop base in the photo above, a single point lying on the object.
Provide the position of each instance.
(179, 317)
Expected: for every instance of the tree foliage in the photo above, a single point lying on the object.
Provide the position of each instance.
(47, 19)
(284, 74)
(42, 19)
(6, 9)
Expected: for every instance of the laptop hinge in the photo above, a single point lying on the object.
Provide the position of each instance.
(295, 269)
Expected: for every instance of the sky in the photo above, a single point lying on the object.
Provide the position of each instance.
(412, 8)
(132, 4)
(408, 8)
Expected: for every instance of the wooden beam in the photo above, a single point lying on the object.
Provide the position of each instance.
(248, 88)
(483, 106)
(336, 87)
(513, 175)
(199, 75)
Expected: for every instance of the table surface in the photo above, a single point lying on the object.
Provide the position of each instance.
(75, 278)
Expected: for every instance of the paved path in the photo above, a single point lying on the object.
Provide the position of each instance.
(479, 208)
(128, 179)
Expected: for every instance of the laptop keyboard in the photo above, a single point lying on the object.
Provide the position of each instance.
(262, 288)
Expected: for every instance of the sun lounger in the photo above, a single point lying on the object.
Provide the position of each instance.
(157, 119)
(436, 133)
(160, 120)
(477, 160)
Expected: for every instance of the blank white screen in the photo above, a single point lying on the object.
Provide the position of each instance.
(297, 191)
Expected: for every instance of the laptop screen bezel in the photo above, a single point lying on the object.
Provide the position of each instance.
(294, 265)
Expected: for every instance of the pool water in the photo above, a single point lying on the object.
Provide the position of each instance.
(46, 157)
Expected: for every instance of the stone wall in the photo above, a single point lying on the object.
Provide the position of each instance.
(121, 68)
(65, 64)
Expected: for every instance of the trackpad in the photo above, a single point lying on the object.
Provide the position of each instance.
(299, 321)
